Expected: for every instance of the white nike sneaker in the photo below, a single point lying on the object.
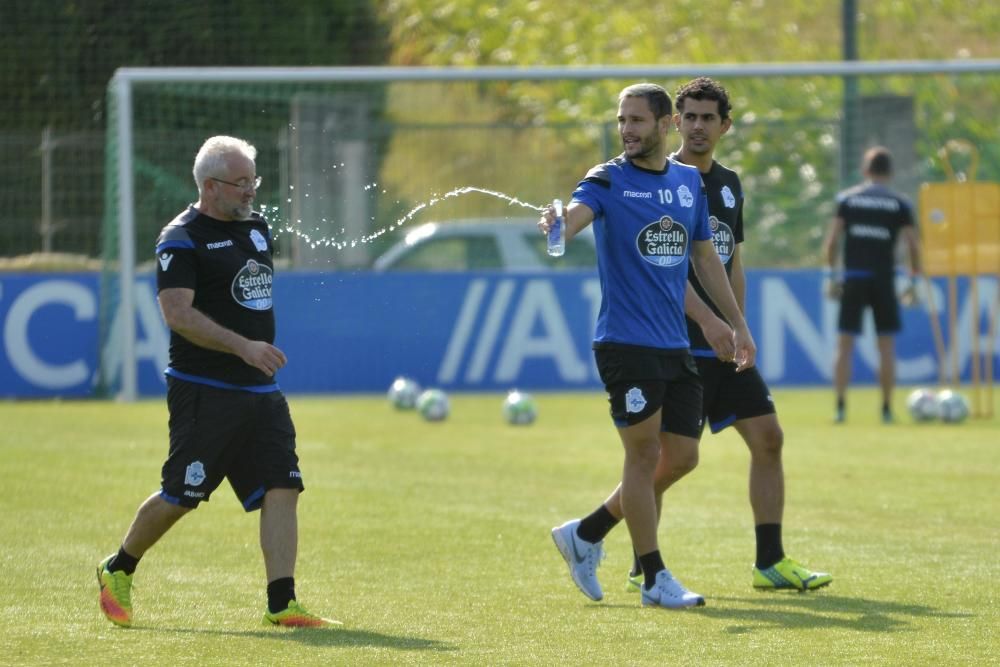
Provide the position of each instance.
(581, 556)
(670, 593)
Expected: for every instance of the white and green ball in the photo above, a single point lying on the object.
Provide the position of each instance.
(922, 404)
(519, 408)
(952, 406)
(403, 393)
(432, 404)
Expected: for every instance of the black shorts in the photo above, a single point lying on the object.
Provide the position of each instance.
(730, 396)
(640, 381)
(216, 433)
(859, 293)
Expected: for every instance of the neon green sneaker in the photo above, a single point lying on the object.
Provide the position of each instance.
(786, 573)
(116, 594)
(296, 616)
(635, 583)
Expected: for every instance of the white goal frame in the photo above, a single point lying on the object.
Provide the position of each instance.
(121, 84)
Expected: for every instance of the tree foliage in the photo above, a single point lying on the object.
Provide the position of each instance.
(786, 136)
(60, 54)
(57, 57)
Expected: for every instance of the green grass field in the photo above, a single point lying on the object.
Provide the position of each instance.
(431, 542)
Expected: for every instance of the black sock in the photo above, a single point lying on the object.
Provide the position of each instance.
(841, 403)
(886, 409)
(124, 562)
(652, 565)
(636, 565)
(595, 527)
(769, 549)
(279, 593)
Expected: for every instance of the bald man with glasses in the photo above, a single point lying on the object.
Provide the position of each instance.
(228, 417)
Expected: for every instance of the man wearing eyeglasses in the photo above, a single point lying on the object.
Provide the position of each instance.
(228, 418)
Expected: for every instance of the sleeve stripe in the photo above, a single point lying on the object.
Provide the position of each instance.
(597, 180)
(166, 245)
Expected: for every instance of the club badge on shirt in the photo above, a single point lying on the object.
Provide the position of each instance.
(727, 197)
(685, 197)
(258, 240)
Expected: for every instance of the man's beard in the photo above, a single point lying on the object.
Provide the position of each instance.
(241, 211)
(647, 146)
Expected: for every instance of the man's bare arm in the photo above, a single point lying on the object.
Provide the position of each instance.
(177, 306)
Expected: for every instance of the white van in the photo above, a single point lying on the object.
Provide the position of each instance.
(507, 244)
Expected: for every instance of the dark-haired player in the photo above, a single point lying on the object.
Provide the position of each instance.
(738, 399)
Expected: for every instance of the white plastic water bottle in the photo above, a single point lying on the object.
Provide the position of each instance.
(557, 232)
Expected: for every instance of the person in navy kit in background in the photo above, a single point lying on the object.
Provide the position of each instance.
(650, 218)
(228, 417)
(870, 219)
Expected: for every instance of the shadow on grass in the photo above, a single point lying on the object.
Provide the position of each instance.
(818, 610)
(339, 637)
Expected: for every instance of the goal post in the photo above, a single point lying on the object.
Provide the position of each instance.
(325, 133)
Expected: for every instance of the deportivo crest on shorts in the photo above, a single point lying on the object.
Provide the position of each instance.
(634, 400)
(195, 474)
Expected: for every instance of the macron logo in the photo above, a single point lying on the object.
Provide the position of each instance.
(632, 194)
(165, 259)
(219, 244)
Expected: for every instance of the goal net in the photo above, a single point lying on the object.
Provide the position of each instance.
(352, 158)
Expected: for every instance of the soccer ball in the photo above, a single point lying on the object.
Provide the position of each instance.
(952, 406)
(432, 404)
(922, 405)
(519, 408)
(403, 393)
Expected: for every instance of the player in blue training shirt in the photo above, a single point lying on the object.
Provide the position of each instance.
(650, 219)
(228, 417)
